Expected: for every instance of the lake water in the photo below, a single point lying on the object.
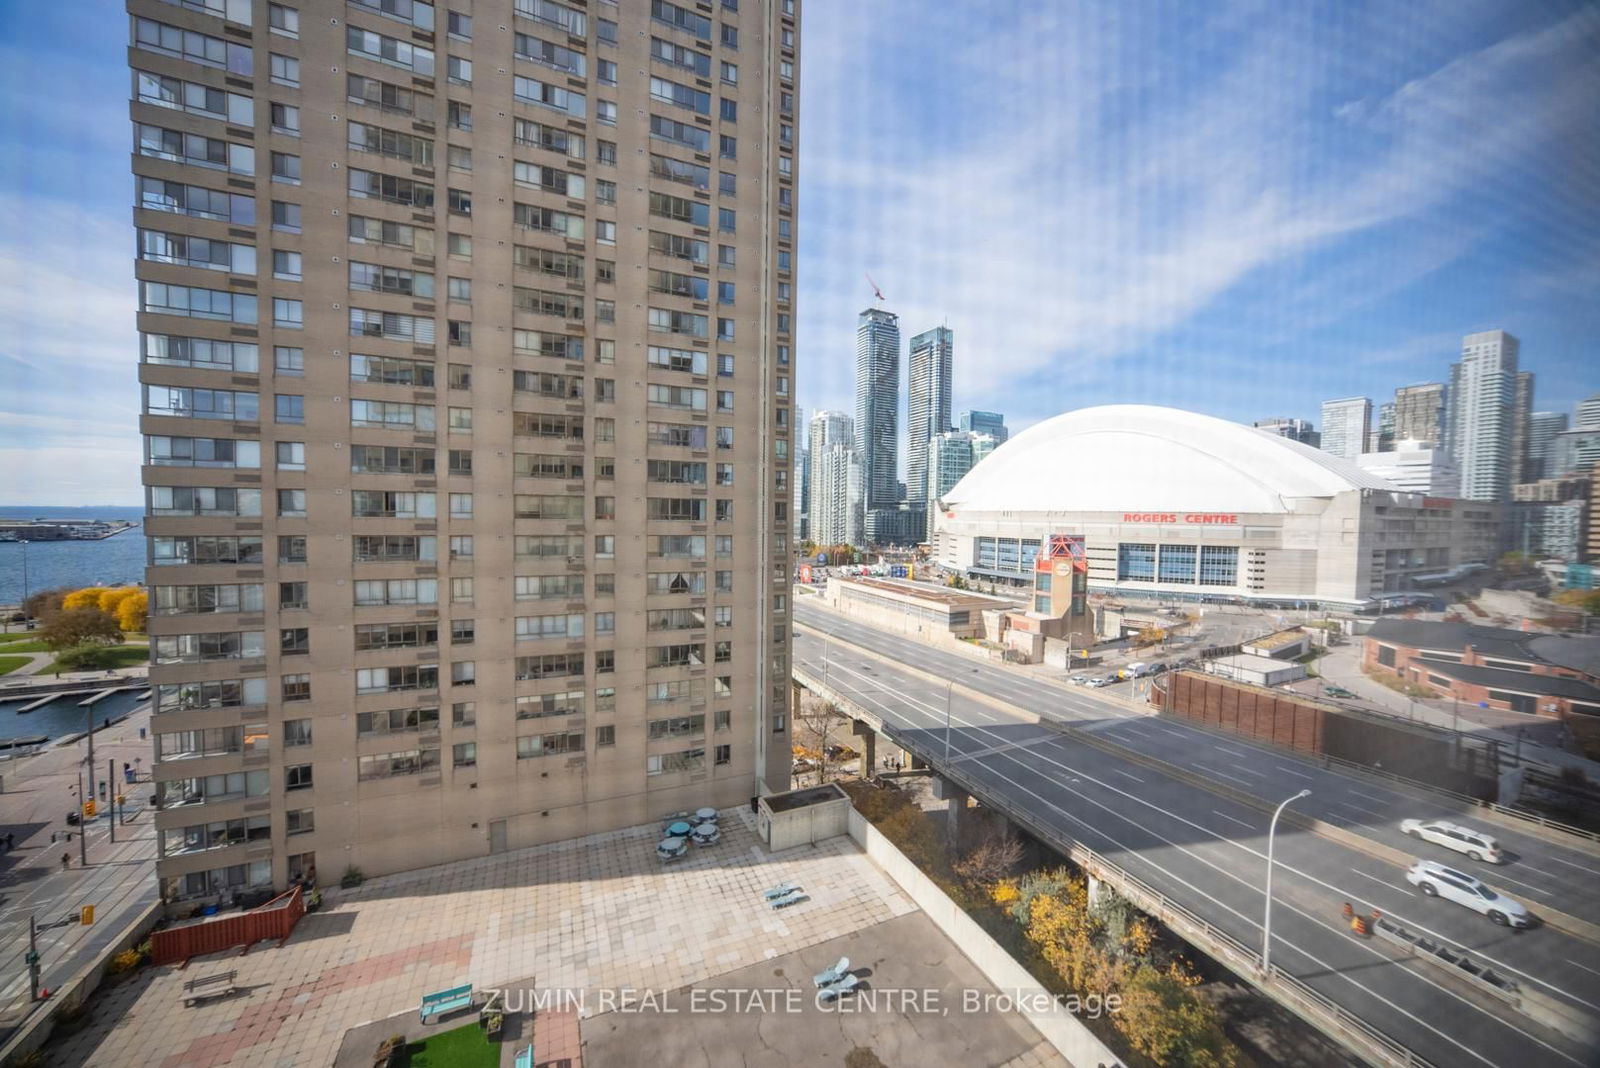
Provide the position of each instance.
(61, 716)
(117, 559)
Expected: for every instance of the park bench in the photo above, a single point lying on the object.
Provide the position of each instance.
(210, 986)
(457, 997)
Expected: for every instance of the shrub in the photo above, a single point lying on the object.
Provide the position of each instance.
(352, 877)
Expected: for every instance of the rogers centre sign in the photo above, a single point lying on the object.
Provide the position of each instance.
(1219, 519)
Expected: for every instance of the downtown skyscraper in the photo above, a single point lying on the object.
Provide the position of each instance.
(928, 404)
(466, 365)
(1345, 425)
(1483, 404)
(878, 410)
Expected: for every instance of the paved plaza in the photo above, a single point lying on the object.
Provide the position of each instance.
(591, 915)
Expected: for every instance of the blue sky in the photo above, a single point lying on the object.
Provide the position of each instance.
(1242, 208)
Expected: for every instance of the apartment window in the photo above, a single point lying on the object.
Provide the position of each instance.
(463, 631)
(723, 655)
(460, 420)
(725, 255)
(605, 622)
(605, 111)
(724, 510)
(606, 152)
(464, 714)
(726, 183)
(460, 245)
(460, 546)
(605, 271)
(459, 115)
(729, 110)
(724, 329)
(295, 687)
(725, 292)
(296, 732)
(285, 119)
(292, 503)
(724, 366)
(289, 361)
(460, 289)
(299, 821)
(459, 332)
(461, 590)
(297, 777)
(291, 549)
(458, 25)
(605, 31)
(284, 70)
(605, 546)
(289, 408)
(464, 673)
(459, 70)
(606, 71)
(286, 265)
(605, 232)
(286, 168)
(605, 192)
(289, 314)
(605, 736)
(730, 36)
(464, 754)
(291, 455)
(460, 462)
(285, 216)
(460, 202)
(294, 595)
(459, 158)
(724, 754)
(730, 73)
(460, 506)
(283, 20)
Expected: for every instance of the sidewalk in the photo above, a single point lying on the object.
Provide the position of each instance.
(119, 881)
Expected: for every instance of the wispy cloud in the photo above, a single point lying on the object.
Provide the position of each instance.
(1071, 189)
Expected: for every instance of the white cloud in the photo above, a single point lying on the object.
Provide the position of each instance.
(1080, 194)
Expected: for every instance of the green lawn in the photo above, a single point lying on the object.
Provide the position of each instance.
(8, 664)
(17, 636)
(121, 656)
(465, 1047)
(34, 646)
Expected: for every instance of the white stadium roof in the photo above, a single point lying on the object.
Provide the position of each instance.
(1137, 457)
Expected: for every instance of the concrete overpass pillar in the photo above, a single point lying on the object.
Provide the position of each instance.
(869, 746)
(955, 799)
(1096, 888)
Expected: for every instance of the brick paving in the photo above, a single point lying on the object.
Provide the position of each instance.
(593, 913)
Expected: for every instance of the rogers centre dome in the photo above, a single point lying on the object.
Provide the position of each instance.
(1185, 506)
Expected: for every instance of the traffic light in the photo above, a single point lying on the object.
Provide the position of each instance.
(89, 809)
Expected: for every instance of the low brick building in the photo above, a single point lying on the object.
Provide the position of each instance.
(1511, 670)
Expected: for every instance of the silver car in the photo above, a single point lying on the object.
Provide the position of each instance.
(1436, 880)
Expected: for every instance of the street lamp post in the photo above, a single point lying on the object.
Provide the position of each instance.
(1266, 922)
(948, 694)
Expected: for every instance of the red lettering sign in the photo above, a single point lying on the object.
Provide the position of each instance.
(1204, 518)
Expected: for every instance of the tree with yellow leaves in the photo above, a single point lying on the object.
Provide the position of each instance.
(1164, 1019)
(88, 597)
(133, 611)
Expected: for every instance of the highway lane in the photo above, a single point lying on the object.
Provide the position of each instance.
(1541, 872)
(1153, 827)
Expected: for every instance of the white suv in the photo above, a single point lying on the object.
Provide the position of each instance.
(1475, 844)
(1436, 880)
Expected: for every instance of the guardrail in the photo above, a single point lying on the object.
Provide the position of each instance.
(1316, 1008)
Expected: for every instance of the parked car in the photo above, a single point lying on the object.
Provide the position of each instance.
(1475, 844)
(1079, 679)
(1103, 680)
(1337, 691)
(1436, 880)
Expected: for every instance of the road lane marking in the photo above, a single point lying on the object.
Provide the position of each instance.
(1369, 797)
(1225, 775)
(1240, 822)
(1570, 864)
(1585, 967)
(1127, 775)
(1385, 882)
(1226, 749)
(1362, 808)
(1241, 767)
(1291, 771)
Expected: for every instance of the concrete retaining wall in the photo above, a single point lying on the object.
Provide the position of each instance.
(1059, 1027)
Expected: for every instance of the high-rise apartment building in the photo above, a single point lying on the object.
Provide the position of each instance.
(466, 364)
(802, 476)
(835, 480)
(1587, 416)
(929, 369)
(1419, 414)
(1542, 430)
(1521, 418)
(1482, 396)
(980, 422)
(1344, 426)
(1380, 437)
(878, 406)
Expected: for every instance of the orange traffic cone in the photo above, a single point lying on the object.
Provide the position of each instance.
(1359, 926)
(1348, 910)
